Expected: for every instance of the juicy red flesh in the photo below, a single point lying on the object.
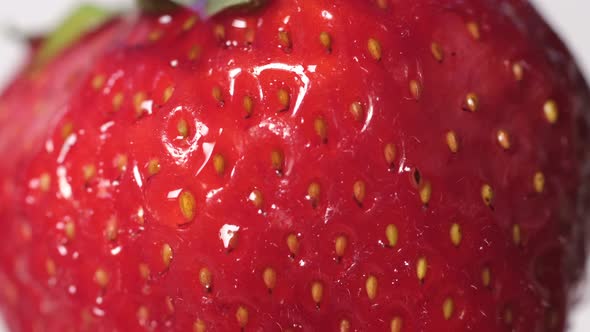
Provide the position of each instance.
(47, 274)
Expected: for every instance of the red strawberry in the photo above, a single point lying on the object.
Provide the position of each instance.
(322, 165)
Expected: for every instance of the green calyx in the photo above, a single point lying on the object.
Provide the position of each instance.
(217, 6)
(206, 8)
(83, 20)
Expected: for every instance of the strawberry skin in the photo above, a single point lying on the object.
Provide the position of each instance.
(308, 166)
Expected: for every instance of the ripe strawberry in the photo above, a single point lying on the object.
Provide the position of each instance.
(322, 165)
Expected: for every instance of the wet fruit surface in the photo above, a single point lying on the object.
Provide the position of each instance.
(300, 167)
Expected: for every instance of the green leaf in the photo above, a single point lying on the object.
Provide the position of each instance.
(217, 6)
(83, 20)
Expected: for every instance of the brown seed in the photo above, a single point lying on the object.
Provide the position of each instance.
(242, 316)
(182, 128)
(155, 35)
(98, 82)
(50, 267)
(143, 315)
(448, 308)
(256, 198)
(472, 102)
(153, 167)
(187, 204)
(269, 276)
(248, 104)
(199, 326)
(219, 164)
(101, 278)
(285, 40)
(503, 139)
(250, 36)
(111, 230)
(169, 304)
(70, 229)
(551, 111)
(539, 182)
(518, 71)
(321, 129)
(120, 162)
(473, 29)
(340, 245)
(487, 194)
(168, 92)
(205, 278)
(117, 101)
(392, 235)
(396, 324)
(326, 41)
(284, 99)
(293, 244)
(508, 316)
(486, 277)
(425, 192)
(421, 268)
(359, 190)
(313, 193)
(66, 130)
(45, 182)
(88, 172)
(389, 152)
(437, 51)
(216, 93)
(166, 254)
(277, 159)
(415, 89)
(138, 99)
(452, 141)
(144, 270)
(194, 53)
(371, 287)
(383, 4)
(344, 326)
(219, 32)
(317, 292)
(456, 234)
(357, 111)
(516, 234)
(374, 49)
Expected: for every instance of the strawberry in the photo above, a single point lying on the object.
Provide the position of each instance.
(379, 165)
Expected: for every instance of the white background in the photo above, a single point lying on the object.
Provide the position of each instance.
(569, 17)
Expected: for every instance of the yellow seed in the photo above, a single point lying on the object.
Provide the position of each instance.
(340, 245)
(88, 172)
(205, 278)
(326, 41)
(169, 304)
(216, 93)
(508, 316)
(166, 254)
(516, 234)
(117, 101)
(199, 326)
(317, 292)
(382, 4)
(284, 99)
(182, 128)
(344, 326)
(456, 235)
(357, 111)
(138, 100)
(101, 278)
(143, 315)
(111, 230)
(539, 182)
(389, 152)
(155, 35)
(120, 162)
(551, 111)
(437, 51)
(256, 198)
(187, 204)
(67, 130)
(50, 267)
(503, 139)
(487, 194)
(70, 229)
(425, 192)
(486, 277)
(98, 81)
(374, 49)
(248, 104)
(473, 29)
(269, 276)
(250, 36)
(194, 53)
(416, 89)
(285, 40)
(219, 164)
(293, 244)
(472, 102)
(452, 141)
(313, 193)
(44, 182)
(153, 167)
(219, 32)
(396, 324)
(448, 308)
(321, 129)
(168, 92)
(189, 23)
(144, 270)
(277, 158)
(371, 287)
(359, 190)
(392, 235)
(518, 71)
(242, 316)
(421, 268)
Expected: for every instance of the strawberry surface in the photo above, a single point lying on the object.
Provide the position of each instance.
(306, 166)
